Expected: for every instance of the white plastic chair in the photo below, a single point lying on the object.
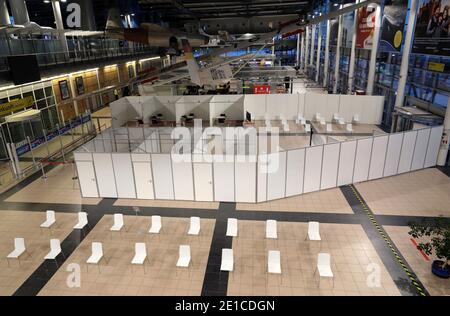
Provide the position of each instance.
(19, 249)
(227, 263)
(341, 121)
(317, 117)
(274, 262)
(155, 228)
(286, 127)
(194, 227)
(349, 128)
(55, 249)
(313, 231)
(271, 229)
(232, 227)
(82, 220)
(118, 223)
(324, 266)
(322, 121)
(355, 118)
(140, 253)
(96, 255)
(329, 128)
(50, 219)
(184, 257)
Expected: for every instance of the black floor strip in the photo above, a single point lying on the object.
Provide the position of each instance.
(445, 170)
(215, 282)
(39, 278)
(397, 272)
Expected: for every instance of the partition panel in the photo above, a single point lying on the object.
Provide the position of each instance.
(330, 166)
(183, 177)
(346, 163)
(276, 178)
(104, 171)
(393, 154)
(362, 160)
(144, 179)
(289, 109)
(420, 149)
(406, 155)
(262, 178)
(123, 171)
(378, 157)
(87, 179)
(295, 171)
(162, 176)
(433, 146)
(223, 181)
(203, 181)
(245, 179)
(313, 169)
(256, 105)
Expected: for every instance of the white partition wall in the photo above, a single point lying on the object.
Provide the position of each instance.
(406, 155)
(289, 109)
(346, 163)
(420, 149)
(230, 105)
(197, 105)
(203, 181)
(433, 146)
(223, 188)
(261, 179)
(256, 105)
(295, 172)
(276, 177)
(162, 176)
(123, 171)
(86, 174)
(104, 171)
(143, 176)
(182, 177)
(245, 179)
(313, 169)
(393, 154)
(330, 166)
(378, 157)
(362, 160)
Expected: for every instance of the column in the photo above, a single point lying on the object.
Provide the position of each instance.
(302, 49)
(313, 40)
(351, 70)
(327, 56)
(59, 25)
(19, 11)
(4, 14)
(373, 53)
(305, 65)
(297, 56)
(400, 97)
(443, 150)
(319, 48)
(338, 56)
(87, 16)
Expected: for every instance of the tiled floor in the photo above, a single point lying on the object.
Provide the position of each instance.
(37, 241)
(351, 255)
(418, 263)
(328, 201)
(118, 277)
(420, 193)
(164, 203)
(59, 187)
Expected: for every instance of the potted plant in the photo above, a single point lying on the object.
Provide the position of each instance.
(437, 241)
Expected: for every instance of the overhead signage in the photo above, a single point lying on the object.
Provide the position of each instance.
(393, 24)
(15, 105)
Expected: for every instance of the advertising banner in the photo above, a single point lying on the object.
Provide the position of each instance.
(431, 35)
(261, 89)
(365, 27)
(393, 25)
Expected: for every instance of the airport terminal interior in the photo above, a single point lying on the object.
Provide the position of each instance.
(192, 148)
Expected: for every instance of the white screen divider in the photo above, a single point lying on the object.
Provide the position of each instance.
(393, 154)
(330, 166)
(378, 157)
(406, 155)
(295, 172)
(162, 176)
(104, 172)
(276, 178)
(313, 169)
(245, 179)
(433, 146)
(124, 176)
(362, 160)
(261, 180)
(346, 163)
(420, 149)
(182, 177)
(223, 179)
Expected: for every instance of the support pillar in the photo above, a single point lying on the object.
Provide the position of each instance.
(59, 25)
(4, 14)
(302, 49)
(19, 11)
(400, 97)
(443, 150)
(319, 48)
(87, 15)
(374, 51)
(327, 56)
(337, 56)
(351, 69)
(305, 65)
(313, 40)
(297, 55)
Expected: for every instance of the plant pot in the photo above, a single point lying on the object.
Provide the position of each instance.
(437, 270)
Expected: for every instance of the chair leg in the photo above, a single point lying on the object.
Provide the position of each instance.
(98, 266)
(7, 261)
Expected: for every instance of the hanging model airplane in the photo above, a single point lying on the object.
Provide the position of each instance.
(221, 72)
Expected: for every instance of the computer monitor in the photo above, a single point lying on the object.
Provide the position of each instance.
(248, 116)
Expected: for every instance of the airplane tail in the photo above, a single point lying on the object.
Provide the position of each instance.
(114, 26)
(191, 63)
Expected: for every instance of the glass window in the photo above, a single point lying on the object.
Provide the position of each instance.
(39, 94)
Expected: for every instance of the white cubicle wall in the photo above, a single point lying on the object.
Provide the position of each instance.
(369, 109)
(210, 178)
